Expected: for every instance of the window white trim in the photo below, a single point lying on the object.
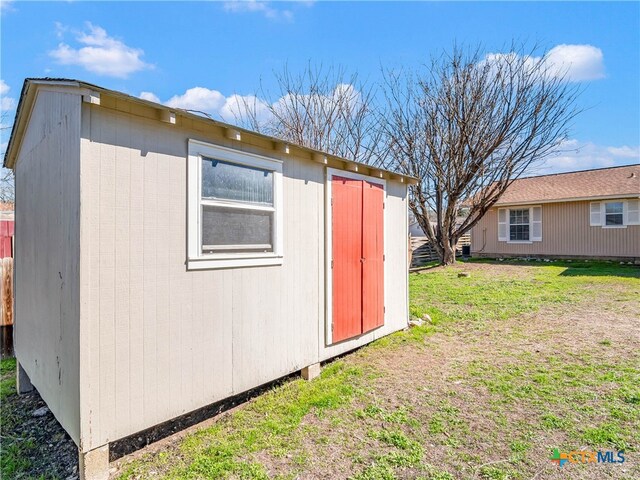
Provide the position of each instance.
(331, 172)
(196, 260)
(504, 225)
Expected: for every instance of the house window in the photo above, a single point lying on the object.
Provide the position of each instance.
(235, 208)
(519, 225)
(523, 224)
(614, 214)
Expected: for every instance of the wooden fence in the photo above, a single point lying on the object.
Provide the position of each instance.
(422, 252)
(6, 306)
(6, 288)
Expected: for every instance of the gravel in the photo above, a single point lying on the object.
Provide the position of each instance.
(34, 440)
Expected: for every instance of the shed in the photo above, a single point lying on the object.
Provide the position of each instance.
(165, 261)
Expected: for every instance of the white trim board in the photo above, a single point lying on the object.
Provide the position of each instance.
(196, 260)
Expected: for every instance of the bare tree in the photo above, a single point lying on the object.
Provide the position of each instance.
(321, 108)
(7, 182)
(468, 128)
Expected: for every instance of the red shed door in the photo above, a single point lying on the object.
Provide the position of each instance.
(346, 228)
(357, 266)
(373, 256)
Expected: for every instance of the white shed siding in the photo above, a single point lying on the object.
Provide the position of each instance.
(47, 254)
(157, 340)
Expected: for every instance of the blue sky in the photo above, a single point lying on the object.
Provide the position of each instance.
(164, 50)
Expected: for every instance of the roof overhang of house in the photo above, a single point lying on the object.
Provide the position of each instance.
(118, 101)
(566, 200)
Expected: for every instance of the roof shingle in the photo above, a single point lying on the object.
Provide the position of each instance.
(604, 182)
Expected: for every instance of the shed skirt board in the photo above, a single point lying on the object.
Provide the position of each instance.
(357, 267)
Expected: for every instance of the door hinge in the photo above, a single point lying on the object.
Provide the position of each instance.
(384, 309)
(331, 263)
(384, 257)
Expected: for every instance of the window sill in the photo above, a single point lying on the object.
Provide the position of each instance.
(525, 242)
(209, 263)
(614, 226)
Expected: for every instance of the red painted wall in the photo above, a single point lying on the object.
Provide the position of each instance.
(6, 234)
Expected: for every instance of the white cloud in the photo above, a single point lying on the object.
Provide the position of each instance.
(214, 103)
(198, 98)
(6, 6)
(575, 155)
(234, 107)
(60, 30)
(100, 53)
(625, 151)
(343, 94)
(255, 6)
(237, 106)
(576, 63)
(6, 103)
(149, 96)
(580, 62)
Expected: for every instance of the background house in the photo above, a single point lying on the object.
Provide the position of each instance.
(166, 261)
(589, 214)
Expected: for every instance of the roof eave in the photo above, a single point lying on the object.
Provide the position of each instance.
(566, 200)
(27, 97)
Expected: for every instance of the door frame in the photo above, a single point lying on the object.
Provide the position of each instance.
(334, 172)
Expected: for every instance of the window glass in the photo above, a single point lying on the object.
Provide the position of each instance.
(236, 229)
(613, 213)
(240, 183)
(519, 224)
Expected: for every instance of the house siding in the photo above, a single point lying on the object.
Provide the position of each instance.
(47, 253)
(158, 341)
(565, 232)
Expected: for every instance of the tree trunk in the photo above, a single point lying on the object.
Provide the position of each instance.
(448, 254)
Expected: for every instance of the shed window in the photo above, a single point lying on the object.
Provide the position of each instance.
(613, 213)
(519, 225)
(235, 208)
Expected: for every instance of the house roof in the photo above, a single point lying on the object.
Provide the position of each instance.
(616, 182)
(113, 99)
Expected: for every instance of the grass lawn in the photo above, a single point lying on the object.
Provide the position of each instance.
(518, 359)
